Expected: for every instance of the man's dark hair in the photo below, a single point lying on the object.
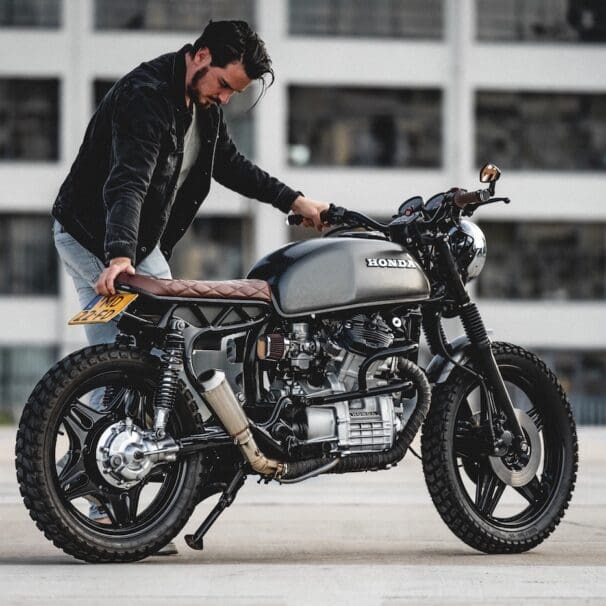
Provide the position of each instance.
(230, 41)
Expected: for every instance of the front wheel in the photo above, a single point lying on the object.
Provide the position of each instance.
(504, 503)
(96, 400)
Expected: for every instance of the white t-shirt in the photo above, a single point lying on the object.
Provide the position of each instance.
(191, 148)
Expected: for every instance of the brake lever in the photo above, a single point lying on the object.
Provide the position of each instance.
(471, 208)
(333, 215)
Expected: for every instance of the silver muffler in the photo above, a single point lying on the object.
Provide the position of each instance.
(223, 402)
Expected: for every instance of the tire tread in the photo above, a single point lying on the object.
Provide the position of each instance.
(29, 457)
(435, 455)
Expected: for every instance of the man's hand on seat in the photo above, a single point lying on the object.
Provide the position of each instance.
(310, 211)
(105, 282)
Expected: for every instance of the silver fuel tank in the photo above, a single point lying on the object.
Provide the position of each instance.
(331, 274)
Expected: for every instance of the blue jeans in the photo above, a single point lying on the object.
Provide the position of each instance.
(84, 269)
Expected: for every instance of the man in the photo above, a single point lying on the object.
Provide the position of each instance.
(151, 149)
(147, 159)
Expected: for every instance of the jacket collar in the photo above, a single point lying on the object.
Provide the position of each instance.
(178, 77)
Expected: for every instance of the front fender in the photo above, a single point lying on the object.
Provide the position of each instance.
(439, 369)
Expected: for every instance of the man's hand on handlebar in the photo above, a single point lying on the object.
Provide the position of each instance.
(310, 211)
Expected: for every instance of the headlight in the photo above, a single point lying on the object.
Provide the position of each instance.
(468, 245)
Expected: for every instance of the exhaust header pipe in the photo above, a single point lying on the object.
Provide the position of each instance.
(223, 402)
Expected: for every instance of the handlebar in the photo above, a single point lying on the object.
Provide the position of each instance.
(337, 215)
(463, 198)
(468, 202)
(294, 219)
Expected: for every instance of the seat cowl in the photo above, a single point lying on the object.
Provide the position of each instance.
(254, 290)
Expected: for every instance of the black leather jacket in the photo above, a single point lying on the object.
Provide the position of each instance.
(120, 198)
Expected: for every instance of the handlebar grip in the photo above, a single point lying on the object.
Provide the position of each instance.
(294, 219)
(462, 199)
(334, 215)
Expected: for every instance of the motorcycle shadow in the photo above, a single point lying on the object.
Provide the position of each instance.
(353, 556)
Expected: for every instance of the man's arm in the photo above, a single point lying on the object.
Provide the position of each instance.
(138, 127)
(236, 172)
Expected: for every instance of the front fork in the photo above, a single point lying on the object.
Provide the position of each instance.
(480, 342)
(483, 356)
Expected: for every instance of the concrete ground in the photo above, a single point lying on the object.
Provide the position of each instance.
(364, 539)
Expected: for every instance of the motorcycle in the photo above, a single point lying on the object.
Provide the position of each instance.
(326, 336)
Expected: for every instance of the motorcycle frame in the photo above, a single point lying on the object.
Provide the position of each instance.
(149, 334)
(475, 346)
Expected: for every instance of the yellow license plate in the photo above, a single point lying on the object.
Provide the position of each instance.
(103, 309)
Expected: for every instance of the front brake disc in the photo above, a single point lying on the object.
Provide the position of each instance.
(521, 477)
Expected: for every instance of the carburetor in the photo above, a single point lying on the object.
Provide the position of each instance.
(298, 348)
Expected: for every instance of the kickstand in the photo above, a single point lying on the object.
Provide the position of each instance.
(196, 540)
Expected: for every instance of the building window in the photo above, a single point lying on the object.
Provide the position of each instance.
(20, 369)
(158, 15)
(583, 377)
(29, 119)
(541, 20)
(421, 19)
(100, 89)
(213, 248)
(552, 261)
(365, 127)
(30, 13)
(541, 131)
(29, 260)
(239, 115)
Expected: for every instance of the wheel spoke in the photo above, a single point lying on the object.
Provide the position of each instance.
(536, 417)
(74, 481)
(467, 446)
(78, 422)
(122, 507)
(132, 402)
(532, 492)
(116, 399)
(138, 407)
(468, 441)
(489, 489)
(158, 474)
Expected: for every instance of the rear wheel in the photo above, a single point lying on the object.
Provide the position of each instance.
(505, 503)
(72, 413)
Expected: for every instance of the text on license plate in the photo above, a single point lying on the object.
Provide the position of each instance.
(103, 309)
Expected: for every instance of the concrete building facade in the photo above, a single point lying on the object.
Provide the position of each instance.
(370, 106)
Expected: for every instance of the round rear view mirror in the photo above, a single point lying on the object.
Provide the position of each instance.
(489, 173)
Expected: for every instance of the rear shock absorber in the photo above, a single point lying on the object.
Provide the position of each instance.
(168, 380)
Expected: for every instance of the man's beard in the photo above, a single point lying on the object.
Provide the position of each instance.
(192, 91)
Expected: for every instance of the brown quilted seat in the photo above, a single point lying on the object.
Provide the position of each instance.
(257, 290)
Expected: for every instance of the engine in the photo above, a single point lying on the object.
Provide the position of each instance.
(321, 359)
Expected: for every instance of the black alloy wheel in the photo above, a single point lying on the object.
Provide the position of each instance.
(60, 464)
(507, 503)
